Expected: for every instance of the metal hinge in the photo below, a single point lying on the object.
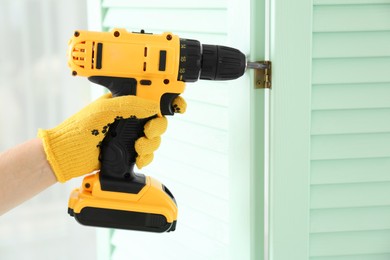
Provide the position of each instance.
(263, 73)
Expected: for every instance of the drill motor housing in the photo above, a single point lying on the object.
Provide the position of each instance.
(158, 64)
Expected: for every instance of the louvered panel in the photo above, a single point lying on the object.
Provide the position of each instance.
(351, 44)
(351, 96)
(346, 18)
(350, 171)
(353, 70)
(166, 4)
(206, 20)
(192, 160)
(350, 177)
(350, 243)
(350, 146)
(350, 195)
(350, 219)
(350, 121)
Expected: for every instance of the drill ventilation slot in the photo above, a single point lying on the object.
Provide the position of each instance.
(79, 53)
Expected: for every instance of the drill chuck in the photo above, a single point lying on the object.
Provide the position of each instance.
(210, 62)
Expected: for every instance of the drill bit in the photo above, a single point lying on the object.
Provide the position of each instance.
(257, 65)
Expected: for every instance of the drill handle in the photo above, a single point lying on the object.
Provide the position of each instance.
(117, 156)
(117, 151)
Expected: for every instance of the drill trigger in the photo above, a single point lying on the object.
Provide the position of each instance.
(166, 102)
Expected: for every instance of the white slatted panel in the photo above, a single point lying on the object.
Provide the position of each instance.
(193, 158)
(171, 4)
(350, 168)
(178, 16)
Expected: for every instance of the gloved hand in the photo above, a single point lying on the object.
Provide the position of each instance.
(145, 146)
(72, 148)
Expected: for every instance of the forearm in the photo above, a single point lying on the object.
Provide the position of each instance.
(24, 172)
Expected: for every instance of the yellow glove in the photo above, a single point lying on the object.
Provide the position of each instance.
(145, 146)
(72, 147)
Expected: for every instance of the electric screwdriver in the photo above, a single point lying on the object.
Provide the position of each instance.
(151, 66)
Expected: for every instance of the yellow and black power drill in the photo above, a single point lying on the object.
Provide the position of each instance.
(153, 67)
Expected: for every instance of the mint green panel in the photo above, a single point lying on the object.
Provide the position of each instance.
(258, 138)
(350, 131)
(290, 53)
(330, 130)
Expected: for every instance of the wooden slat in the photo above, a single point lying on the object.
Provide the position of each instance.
(354, 257)
(352, 121)
(361, 70)
(349, 2)
(208, 160)
(203, 4)
(204, 114)
(349, 219)
(197, 135)
(210, 228)
(345, 18)
(215, 93)
(209, 205)
(350, 195)
(210, 21)
(220, 38)
(351, 44)
(350, 243)
(179, 244)
(351, 96)
(122, 249)
(180, 173)
(350, 171)
(350, 146)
